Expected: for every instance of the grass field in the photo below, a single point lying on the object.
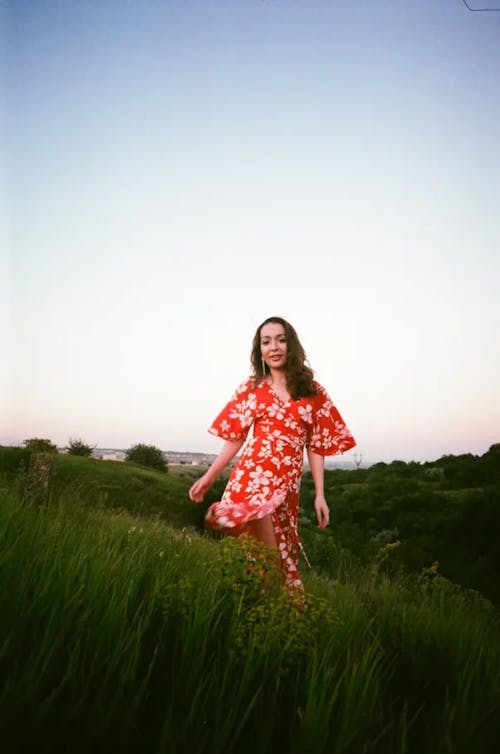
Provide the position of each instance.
(124, 629)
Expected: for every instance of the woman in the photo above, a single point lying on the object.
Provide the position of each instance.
(288, 411)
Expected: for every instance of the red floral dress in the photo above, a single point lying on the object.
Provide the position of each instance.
(266, 478)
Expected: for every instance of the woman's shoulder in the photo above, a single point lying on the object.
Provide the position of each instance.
(249, 383)
(319, 387)
(322, 394)
(251, 389)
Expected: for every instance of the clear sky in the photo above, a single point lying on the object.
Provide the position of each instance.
(175, 171)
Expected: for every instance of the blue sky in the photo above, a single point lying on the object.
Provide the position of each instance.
(176, 171)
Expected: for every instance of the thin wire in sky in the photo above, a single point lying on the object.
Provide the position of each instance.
(479, 10)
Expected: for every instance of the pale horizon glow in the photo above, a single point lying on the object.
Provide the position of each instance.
(178, 171)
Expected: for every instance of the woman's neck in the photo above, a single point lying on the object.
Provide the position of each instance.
(278, 377)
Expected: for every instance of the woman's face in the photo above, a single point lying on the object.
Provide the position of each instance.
(273, 345)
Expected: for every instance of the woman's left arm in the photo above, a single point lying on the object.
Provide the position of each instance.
(317, 464)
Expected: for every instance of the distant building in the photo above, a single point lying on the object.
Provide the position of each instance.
(106, 454)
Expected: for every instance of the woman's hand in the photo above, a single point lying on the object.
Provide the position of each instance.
(322, 512)
(202, 485)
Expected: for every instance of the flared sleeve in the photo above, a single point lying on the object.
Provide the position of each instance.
(328, 434)
(238, 415)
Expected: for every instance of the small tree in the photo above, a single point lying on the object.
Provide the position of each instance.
(77, 447)
(147, 455)
(40, 445)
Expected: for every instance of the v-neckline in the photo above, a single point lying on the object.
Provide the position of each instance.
(273, 391)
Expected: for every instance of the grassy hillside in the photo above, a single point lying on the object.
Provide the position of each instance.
(114, 484)
(121, 632)
(446, 512)
(438, 519)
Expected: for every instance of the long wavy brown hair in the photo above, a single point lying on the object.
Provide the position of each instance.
(299, 376)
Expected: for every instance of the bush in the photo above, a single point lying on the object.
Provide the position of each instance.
(40, 445)
(147, 455)
(78, 448)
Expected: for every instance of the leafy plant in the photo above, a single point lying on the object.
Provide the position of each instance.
(76, 447)
(40, 445)
(147, 455)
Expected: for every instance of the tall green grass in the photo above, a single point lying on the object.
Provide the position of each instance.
(121, 634)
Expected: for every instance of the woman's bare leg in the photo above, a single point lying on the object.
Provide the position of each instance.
(262, 529)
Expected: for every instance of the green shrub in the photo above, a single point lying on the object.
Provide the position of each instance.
(76, 447)
(40, 445)
(147, 455)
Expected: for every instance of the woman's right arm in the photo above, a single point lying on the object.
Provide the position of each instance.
(203, 484)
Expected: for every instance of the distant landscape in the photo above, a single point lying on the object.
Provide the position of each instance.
(171, 456)
(201, 459)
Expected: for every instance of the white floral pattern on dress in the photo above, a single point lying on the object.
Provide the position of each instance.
(266, 479)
